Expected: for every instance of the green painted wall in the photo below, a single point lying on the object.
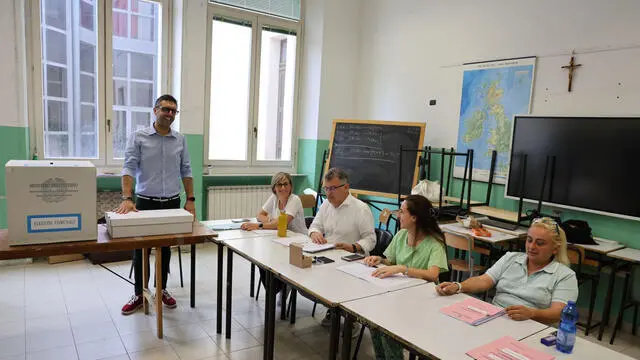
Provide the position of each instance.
(15, 146)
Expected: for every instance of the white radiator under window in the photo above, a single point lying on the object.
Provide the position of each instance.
(231, 202)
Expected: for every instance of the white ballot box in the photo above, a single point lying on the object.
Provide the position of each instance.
(50, 201)
(149, 222)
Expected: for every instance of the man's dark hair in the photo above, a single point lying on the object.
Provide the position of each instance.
(166, 97)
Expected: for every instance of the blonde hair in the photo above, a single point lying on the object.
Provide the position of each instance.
(558, 236)
(277, 178)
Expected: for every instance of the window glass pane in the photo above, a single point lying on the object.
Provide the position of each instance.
(144, 8)
(121, 4)
(88, 120)
(142, 94)
(119, 133)
(120, 24)
(284, 8)
(86, 15)
(136, 61)
(87, 57)
(120, 96)
(142, 66)
(87, 88)
(56, 44)
(56, 81)
(56, 146)
(57, 116)
(141, 120)
(230, 83)
(119, 63)
(55, 14)
(277, 77)
(89, 145)
(142, 28)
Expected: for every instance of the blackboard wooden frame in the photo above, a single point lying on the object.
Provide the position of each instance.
(378, 122)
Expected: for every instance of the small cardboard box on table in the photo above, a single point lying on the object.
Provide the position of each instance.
(50, 201)
(149, 222)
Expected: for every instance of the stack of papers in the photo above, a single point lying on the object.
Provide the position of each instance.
(507, 348)
(473, 311)
(225, 226)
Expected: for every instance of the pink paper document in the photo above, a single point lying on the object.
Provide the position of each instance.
(507, 348)
(473, 311)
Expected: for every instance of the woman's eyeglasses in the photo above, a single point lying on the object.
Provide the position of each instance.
(282, 184)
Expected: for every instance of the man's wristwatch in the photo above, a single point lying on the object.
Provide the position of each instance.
(260, 225)
(193, 199)
(355, 249)
(127, 198)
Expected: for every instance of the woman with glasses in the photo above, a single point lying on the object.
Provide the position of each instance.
(534, 285)
(282, 199)
(417, 250)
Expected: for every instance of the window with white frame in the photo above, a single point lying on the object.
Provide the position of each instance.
(252, 72)
(97, 71)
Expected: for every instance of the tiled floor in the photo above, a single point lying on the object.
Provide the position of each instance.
(72, 311)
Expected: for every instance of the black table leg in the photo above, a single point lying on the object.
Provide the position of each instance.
(346, 337)
(229, 291)
(252, 283)
(270, 317)
(283, 303)
(334, 336)
(193, 275)
(219, 290)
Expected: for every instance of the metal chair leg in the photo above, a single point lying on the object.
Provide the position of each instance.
(131, 270)
(313, 312)
(592, 304)
(180, 263)
(635, 319)
(355, 352)
(259, 285)
(618, 323)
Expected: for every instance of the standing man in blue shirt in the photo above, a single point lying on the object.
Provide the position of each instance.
(157, 157)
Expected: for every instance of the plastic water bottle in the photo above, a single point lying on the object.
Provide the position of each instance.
(567, 329)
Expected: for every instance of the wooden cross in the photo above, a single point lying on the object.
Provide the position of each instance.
(572, 66)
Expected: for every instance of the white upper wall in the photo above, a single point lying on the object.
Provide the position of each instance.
(412, 50)
(12, 69)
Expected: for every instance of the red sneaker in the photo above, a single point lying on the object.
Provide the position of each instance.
(168, 300)
(133, 305)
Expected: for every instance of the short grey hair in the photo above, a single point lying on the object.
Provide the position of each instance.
(336, 172)
(278, 177)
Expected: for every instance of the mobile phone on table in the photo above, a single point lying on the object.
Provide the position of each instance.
(352, 257)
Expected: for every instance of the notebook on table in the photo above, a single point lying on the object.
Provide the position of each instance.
(473, 311)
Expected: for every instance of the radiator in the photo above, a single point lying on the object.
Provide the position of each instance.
(231, 202)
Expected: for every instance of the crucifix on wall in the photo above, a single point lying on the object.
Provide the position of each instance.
(572, 66)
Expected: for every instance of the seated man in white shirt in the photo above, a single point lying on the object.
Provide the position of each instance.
(343, 219)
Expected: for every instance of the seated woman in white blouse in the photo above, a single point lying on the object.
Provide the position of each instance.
(533, 285)
(282, 200)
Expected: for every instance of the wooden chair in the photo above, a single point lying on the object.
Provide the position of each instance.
(460, 264)
(578, 261)
(630, 299)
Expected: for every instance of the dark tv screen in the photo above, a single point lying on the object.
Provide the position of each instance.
(595, 168)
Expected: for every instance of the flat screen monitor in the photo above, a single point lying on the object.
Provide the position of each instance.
(592, 163)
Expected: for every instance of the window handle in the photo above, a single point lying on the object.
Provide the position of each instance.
(255, 132)
(108, 125)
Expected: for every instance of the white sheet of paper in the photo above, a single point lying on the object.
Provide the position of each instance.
(292, 238)
(362, 271)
